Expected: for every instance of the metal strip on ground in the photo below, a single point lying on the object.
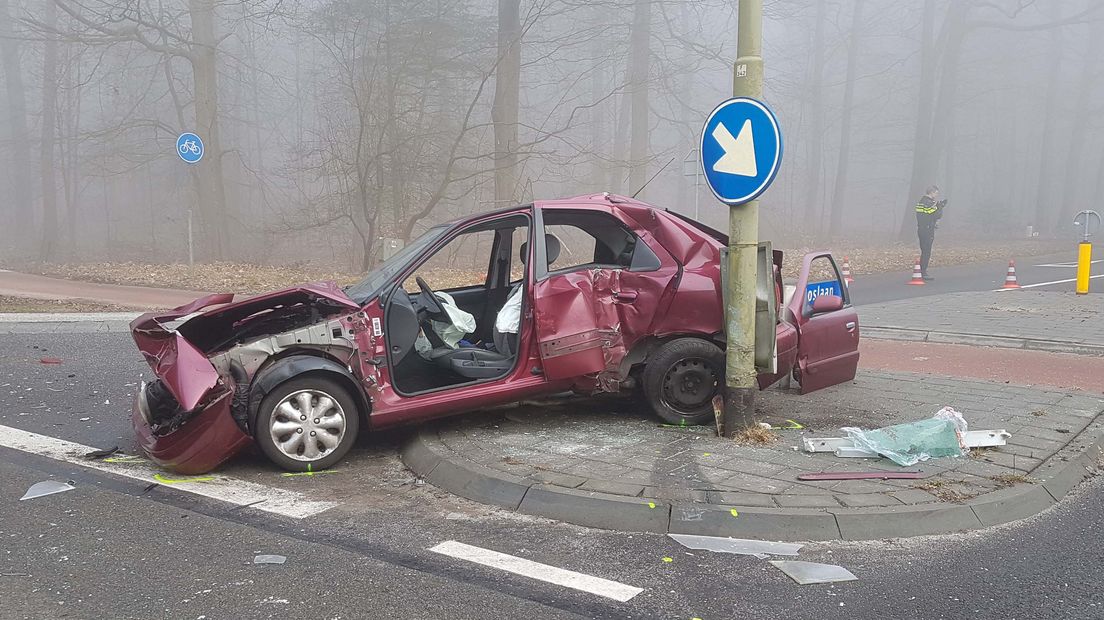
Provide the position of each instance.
(219, 487)
(536, 570)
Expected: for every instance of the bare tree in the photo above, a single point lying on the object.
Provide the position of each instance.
(639, 64)
(504, 111)
(21, 208)
(839, 193)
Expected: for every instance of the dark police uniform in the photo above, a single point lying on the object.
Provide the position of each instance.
(928, 212)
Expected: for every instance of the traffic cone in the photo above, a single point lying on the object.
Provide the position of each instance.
(917, 276)
(1010, 279)
(847, 271)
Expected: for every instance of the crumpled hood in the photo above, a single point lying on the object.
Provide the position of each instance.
(179, 356)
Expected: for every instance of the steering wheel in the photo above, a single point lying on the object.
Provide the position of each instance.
(429, 299)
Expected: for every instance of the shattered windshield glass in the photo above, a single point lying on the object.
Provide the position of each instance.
(370, 286)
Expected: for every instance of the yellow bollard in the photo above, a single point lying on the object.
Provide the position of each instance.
(1084, 266)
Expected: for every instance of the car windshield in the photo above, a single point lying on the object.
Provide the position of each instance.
(370, 286)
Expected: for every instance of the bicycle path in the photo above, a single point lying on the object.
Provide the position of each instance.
(17, 284)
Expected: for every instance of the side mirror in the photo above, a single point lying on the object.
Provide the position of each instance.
(826, 303)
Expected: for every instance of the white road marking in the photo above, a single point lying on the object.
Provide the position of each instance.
(220, 487)
(1074, 264)
(536, 570)
(997, 290)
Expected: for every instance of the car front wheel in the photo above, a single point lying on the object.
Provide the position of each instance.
(307, 424)
(681, 378)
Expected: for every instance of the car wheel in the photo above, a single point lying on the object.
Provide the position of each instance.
(307, 424)
(681, 378)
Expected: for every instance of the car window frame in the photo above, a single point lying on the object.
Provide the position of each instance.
(541, 271)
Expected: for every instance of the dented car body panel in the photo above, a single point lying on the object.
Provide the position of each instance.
(588, 328)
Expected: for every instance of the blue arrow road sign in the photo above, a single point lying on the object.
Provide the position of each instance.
(741, 149)
(189, 147)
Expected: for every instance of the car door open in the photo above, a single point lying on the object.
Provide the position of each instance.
(826, 322)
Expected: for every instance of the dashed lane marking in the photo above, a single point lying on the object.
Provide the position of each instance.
(215, 486)
(536, 570)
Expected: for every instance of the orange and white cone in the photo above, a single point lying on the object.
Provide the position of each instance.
(917, 276)
(1010, 279)
(847, 271)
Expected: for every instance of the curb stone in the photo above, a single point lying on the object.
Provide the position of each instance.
(890, 332)
(427, 457)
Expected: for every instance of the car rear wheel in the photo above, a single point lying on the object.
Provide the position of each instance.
(307, 424)
(681, 378)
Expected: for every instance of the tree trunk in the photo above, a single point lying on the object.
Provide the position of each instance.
(48, 249)
(921, 176)
(504, 110)
(20, 199)
(639, 63)
(212, 191)
(1043, 195)
(1065, 197)
(839, 192)
(815, 140)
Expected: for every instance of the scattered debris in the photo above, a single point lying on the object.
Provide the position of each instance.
(940, 490)
(99, 454)
(1007, 480)
(47, 487)
(912, 442)
(805, 573)
(1038, 413)
(49, 360)
(790, 425)
(125, 458)
(862, 475)
(269, 559)
(167, 480)
(945, 434)
(755, 435)
(735, 545)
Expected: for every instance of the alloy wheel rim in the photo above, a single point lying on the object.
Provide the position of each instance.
(307, 425)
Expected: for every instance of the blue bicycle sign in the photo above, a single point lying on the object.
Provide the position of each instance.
(189, 147)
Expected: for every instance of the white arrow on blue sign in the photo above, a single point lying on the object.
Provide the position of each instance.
(741, 149)
(189, 147)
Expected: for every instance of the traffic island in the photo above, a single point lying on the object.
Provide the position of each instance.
(604, 462)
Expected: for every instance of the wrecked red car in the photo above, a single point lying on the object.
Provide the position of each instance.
(597, 293)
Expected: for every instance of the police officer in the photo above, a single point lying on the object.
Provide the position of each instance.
(928, 211)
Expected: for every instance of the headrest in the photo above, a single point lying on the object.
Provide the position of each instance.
(551, 247)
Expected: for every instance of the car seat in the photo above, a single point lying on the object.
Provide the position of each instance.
(474, 363)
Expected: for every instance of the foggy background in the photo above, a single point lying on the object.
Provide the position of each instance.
(331, 125)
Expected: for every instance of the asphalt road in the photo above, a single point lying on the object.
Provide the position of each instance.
(114, 547)
(1032, 272)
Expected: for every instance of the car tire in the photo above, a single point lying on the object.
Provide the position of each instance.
(319, 411)
(680, 379)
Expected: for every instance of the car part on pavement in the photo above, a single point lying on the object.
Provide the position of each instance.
(47, 487)
(805, 573)
(309, 422)
(269, 559)
(681, 378)
(862, 475)
(735, 545)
